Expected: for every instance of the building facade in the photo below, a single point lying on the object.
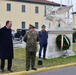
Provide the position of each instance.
(24, 12)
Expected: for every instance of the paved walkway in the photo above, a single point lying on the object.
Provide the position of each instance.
(63, 71)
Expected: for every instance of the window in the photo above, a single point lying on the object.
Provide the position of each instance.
(36, 9)
(23, 8)
(36, 25)
(8, 7)
(23, 24)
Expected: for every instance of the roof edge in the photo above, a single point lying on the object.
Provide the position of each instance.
(28, 1)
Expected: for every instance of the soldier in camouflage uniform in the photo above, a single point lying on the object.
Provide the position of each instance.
(31, 38)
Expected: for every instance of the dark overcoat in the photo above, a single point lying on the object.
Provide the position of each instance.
(6, 44)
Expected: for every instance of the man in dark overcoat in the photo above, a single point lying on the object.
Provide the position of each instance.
(6, 46)
(31, 38)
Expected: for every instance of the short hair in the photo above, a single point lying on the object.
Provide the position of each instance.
(7, 22)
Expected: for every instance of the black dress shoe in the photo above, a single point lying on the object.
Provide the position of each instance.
(34, 68)
(27, 69)
(10, 70)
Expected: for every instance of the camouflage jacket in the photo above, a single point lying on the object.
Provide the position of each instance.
(31, 40)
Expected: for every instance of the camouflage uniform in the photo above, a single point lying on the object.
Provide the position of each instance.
(31, 47)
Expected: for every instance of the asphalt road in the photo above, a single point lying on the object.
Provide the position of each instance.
(63, 71)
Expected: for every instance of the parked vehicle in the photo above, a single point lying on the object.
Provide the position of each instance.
(13, 33)
(20, 34)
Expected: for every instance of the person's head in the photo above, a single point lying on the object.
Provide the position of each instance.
(43, 27)
(31, 28)
(9, 24)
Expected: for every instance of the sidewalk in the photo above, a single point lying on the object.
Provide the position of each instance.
(41, 69)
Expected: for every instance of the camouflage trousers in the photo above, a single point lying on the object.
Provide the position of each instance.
(30, 59)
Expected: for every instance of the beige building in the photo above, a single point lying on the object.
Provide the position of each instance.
(24, 12)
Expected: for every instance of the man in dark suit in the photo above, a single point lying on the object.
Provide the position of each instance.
(6, 46)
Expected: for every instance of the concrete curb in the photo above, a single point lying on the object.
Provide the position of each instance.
(41, 69)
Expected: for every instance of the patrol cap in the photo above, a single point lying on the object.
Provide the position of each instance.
(43, 26)
(31, 26)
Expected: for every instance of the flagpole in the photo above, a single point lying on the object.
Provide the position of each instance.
(72, 4)
(60, 6)
(61, 3)
(68, 13)
(72, 12)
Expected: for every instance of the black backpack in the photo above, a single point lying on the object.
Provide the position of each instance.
(40, 62)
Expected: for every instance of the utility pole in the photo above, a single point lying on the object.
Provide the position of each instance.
(60, 20)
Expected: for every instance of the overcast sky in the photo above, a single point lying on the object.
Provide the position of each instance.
(71, 2)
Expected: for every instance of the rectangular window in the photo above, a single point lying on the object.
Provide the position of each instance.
(23, 24)
(23, 8)
(36, 25)
(36, 9)
(8, 7)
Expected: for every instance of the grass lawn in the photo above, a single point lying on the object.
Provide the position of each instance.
(19, 60)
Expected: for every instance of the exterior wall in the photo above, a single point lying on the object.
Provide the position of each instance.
(17, 16)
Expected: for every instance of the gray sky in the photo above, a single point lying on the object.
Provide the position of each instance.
(65, 2)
